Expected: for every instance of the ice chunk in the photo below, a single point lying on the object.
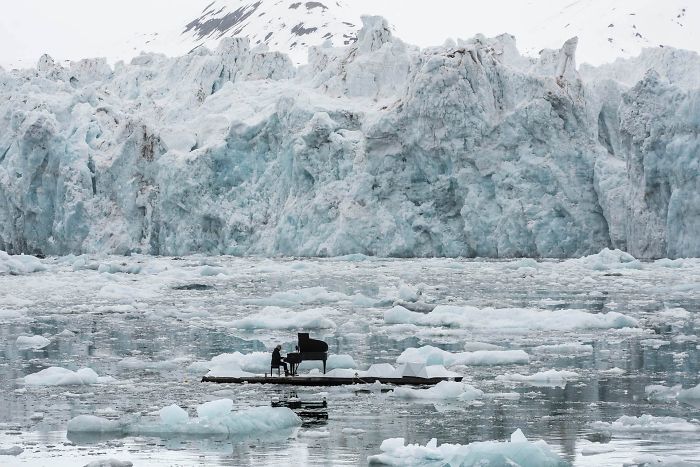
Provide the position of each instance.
(19, 264)
(93, 424)
(408, 293)
(173, 422)
(543, 378)
(607, 259)
(57, 376)
(173, 415)
(573, 348)
(659, 393)
(692, 394)
(444, 390)
(32, 342)
(412, 369)
(509, 320)
(519, 451)
(13, 451)
(215, 409)
(383, 370)
(109, 463)
(434, 356)
(647, 423)
(279, 318)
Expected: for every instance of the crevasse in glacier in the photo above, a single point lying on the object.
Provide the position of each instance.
(380, 148)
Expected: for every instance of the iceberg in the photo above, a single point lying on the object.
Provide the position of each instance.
(57, 376)
(378, 148)
(434, 356)
(32, 342)
(516, 452)
(544, 378)
(688, 395)
(517, 320)
(647, 423)
(214, 418)
(444, 390)
(19, 264)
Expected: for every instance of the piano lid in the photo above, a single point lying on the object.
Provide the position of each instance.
(306, 344)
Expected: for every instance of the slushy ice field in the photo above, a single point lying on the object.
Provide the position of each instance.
(596, 356)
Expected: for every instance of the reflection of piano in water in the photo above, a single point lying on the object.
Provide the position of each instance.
(307, 350)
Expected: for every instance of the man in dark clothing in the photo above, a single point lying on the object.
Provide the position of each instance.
(278, 361)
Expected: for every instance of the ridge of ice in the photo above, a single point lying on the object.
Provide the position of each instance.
(518, 451)
(57, 376)
(542, 378)
(379, 148)
(647, 423)
(216, 418)
(509, 319)
(430, 355)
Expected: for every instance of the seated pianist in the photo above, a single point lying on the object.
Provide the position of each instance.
(278, 361)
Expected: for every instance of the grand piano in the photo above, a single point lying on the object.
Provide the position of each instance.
(307, 350)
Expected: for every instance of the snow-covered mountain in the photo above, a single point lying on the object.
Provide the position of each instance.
(377, 147)
(290, 26)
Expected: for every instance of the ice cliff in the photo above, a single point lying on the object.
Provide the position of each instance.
(378, 148)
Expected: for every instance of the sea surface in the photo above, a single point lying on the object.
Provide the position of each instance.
(130, 319)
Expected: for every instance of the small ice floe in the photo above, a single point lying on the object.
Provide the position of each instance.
(66, 334)
(690, 395)
(519, 320)
(213, 418)
(315, 434)
(596, 448)
(474, 346)
(57, 376)
(444, 390)
(310, 296)
(353, 431)
(659, 393)
(109, 463)
(605, 260)
(615, 371)
(32, 342)
(430, 355)
(282, 319)
(647, 423)
(570, 348)
(12, 451)
(37, 416)
(16, 265)
(519, 451)
(552, 378)
(654, 343)
(651, 460)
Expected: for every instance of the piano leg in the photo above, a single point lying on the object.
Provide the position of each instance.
(324, 366)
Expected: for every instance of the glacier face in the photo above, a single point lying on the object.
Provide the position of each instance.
(380, 148)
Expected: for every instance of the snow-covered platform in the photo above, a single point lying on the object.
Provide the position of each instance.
(327, 380)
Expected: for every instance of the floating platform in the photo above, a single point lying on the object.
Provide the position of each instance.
(326, 381)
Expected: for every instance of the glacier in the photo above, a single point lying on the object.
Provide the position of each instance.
(377, 148)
